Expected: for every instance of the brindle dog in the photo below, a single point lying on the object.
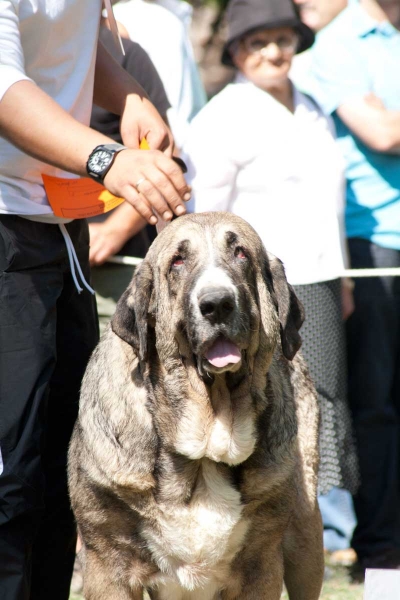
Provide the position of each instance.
(193, 464)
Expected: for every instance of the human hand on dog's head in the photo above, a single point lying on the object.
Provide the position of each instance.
(150, 181)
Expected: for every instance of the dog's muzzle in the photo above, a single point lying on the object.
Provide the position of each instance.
(218, 309)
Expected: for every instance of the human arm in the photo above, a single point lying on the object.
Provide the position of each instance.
(118, 92)
(138, 64)
(107, 238)
(34, 122)
(377, 127)
(341, 82)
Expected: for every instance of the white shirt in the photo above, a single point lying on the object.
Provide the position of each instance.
(161, 29)
(281, 172)
(301, 67)
(52, 43)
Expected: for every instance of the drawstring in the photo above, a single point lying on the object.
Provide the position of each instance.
(73, 261)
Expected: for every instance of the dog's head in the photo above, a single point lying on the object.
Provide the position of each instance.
(209, 290)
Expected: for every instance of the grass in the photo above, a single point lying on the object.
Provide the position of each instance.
(336, 586)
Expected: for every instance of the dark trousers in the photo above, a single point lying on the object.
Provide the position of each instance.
(374, 395)
(47, 333)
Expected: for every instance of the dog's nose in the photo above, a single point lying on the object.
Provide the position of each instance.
(216, 304)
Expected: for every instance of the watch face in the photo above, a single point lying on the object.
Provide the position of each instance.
(99, 161)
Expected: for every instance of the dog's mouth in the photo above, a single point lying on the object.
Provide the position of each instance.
(223, 355)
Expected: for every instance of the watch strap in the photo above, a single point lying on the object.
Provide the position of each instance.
(113, 147)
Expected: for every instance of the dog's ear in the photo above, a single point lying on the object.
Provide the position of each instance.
(130, 321)
(290, 309)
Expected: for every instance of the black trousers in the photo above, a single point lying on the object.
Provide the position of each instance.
(47, 333)
(374, 395)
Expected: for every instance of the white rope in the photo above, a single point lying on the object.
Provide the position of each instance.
(125, 260)
(73, 261)
(388, 272)
(68, 243)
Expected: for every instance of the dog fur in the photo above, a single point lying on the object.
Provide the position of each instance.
(190, 480)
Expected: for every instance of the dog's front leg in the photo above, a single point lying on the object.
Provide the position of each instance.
(304, 555)
(100, 583)
(256, 578)
(94, 590)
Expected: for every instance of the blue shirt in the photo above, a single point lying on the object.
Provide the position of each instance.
(355, 55)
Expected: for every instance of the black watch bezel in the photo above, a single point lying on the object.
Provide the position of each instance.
(112, 150)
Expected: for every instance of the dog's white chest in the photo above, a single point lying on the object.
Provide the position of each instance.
(196, 542)
(226, 438)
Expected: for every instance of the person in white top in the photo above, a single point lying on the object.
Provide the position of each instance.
(161, 28)
(50, 67)
(272, 159)
(265, 151)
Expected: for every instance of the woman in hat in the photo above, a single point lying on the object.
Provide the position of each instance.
(264, 151)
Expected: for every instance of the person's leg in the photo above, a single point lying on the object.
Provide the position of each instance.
(338, 517)
(373, 346)
(396, 398)
(77, 334)
(38, 312)
(28, 296)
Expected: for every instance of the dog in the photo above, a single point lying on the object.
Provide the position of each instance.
(193, 463)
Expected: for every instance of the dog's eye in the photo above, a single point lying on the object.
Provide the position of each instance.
(240, 253)
(177, 261)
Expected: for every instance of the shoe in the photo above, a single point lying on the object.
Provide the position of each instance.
(389, 559)
(342, 558)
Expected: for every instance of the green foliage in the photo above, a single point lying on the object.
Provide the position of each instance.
(221, 4)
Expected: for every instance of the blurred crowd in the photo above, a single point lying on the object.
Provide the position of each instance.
(303, 143)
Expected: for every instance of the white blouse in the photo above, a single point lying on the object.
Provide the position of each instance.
(280, 171)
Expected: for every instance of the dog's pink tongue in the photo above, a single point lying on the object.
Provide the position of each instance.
(223, 353)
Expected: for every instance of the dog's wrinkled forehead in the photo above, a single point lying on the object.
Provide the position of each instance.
(205, 235)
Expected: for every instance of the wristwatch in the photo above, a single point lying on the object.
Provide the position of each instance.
(101, 160)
